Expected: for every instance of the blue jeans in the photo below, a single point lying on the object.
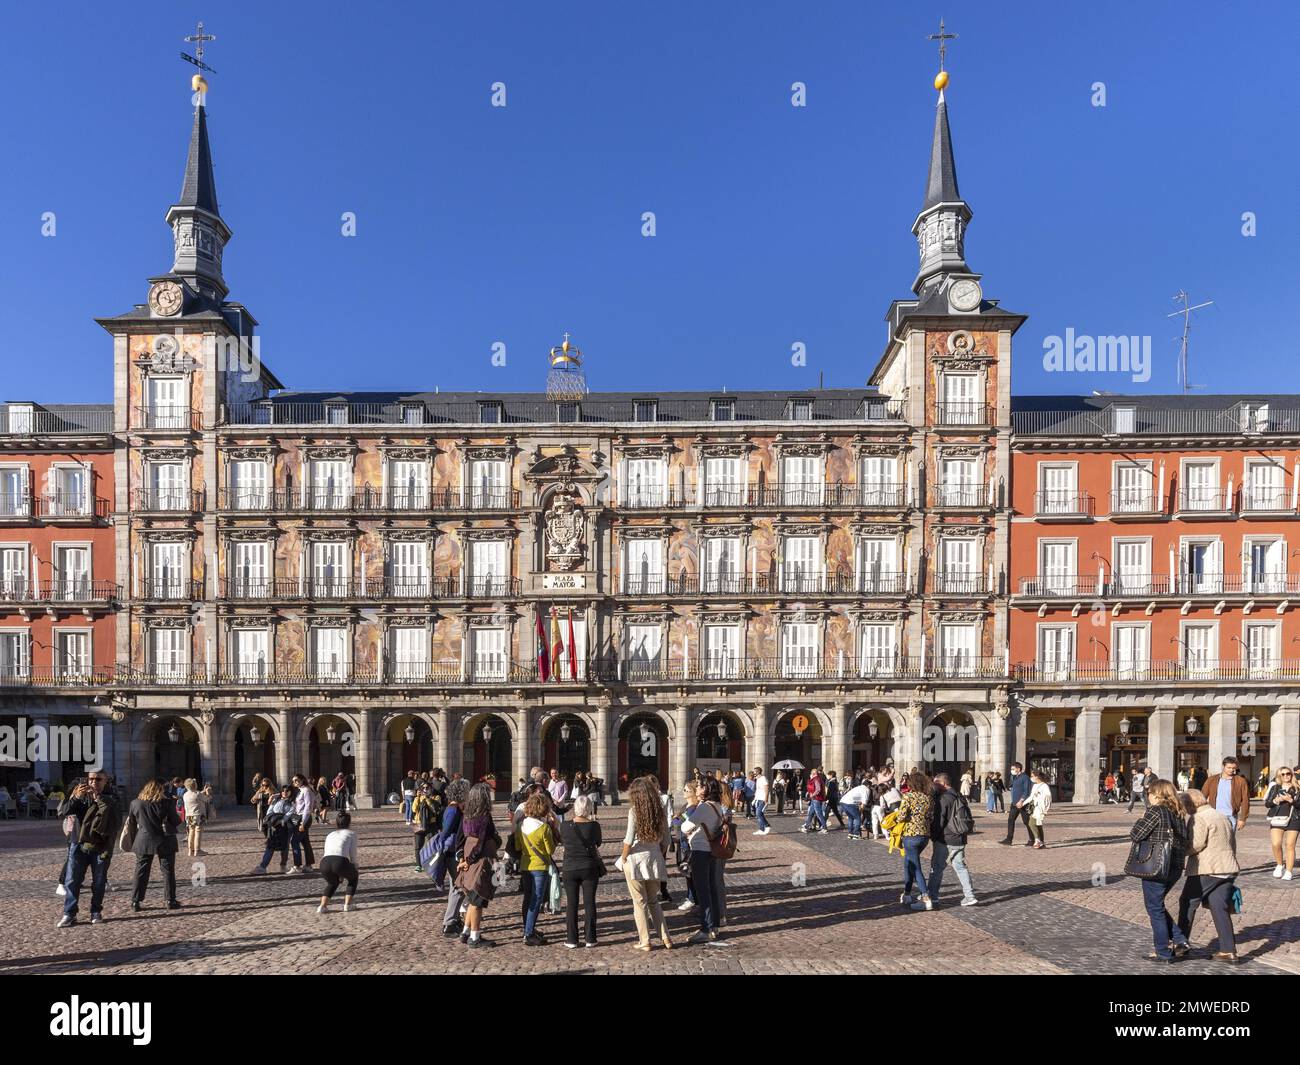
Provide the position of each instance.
(407, 803)
(850, 810)
(991, 802)
(816, 812)
(941, 856)
(912, 848)
(534, 884)
(759, 807)
(1164, 931)
(76, 875)
(704, 882)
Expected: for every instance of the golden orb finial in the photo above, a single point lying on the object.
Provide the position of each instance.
(198, 83)
(941, 80)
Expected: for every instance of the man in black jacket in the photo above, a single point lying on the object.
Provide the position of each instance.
(99, 819)
(949, 828)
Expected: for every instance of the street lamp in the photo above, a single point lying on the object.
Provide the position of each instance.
(331, 734)
(409, 733)
(487, 732)
(174, 734)
(255, 736)
(564, 732)
(1192, 725)
(645, 732)
(1253, 724)
(722, 729)
(873, 730)
(1124, 725)
(1051, 728)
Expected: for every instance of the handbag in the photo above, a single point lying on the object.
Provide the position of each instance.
(1149, 860)
(1236, 902)
(127, 839)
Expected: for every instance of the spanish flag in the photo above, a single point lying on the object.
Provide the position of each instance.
(557, 645)
(573, 650)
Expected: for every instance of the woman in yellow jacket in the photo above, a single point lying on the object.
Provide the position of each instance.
(536, 842)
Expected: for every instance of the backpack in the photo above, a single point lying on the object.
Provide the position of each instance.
(723, 845)
(961, 823)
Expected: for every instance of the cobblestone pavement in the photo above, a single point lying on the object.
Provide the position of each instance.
(793, 900)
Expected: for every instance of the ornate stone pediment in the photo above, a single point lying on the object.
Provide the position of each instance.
(165, 621)
(567, 468)
(490, 532)
(877, 529)
(802, 447)
(163, 536)
(409, 535)
(247, 536)
(248, 451)
(252, 621)
(723, 617)
(478, 621)
(875, 615)
(166, 454)
(953, 451)
(327, 451)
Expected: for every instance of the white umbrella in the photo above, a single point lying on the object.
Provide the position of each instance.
(788, 763)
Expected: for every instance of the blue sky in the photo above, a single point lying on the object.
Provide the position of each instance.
(776, 225)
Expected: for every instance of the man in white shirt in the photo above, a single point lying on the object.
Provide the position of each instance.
(760, 801)
(304, 805)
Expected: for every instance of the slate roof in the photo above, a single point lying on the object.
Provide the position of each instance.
(941, 185)
(199, 187)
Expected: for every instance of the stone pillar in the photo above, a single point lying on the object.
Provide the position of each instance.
(1284, 737)
(998, 762)
(523, 751)
(681, 748)
(913, 737)
(839, 745)
(442, 741)
(286, 754)
(369, 789)
(760, 750)
(1223, 737)
(600, 761)
(1087, 756)
(1021, 740)
(209, 756)
(38, 733)
(1160, 741)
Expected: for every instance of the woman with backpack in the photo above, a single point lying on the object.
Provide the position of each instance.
(1160, 844)
(582, 870)
(153, 822)
(474, 870)
(703, 829)
(339, 862)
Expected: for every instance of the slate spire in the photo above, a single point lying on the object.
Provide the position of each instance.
(940, 228)
(199, 189)
(199, 234)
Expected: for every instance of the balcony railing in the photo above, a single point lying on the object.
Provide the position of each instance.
(55, 677)
(164, 500)
(1147, 585)
(491, 587)
(1135, 501)
(1054, 504)
(959, 584)
(966, 412)
(368, 498)
(1151, 421)
(168, 588)
(24, 421)
(63, 590)
(1207, 501)
(797, 667)
(1266, 501)
(53, 507)
(1108, 672)
(959, 495)
(166, 417)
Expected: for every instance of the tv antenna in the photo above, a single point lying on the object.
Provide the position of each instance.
(1186, 312)
(198, 38)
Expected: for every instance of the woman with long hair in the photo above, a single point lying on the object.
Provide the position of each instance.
(474, 871)
(1162, 822)
(644, 859)
(153, 818)
(915, 811)
(536, 842)
(1283, 805)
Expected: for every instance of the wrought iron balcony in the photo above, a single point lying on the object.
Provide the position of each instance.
(1062, 505)
(164, 589)
(965, 412)
(959, 584)
(1204, 503)
(1140, 671)
(1135, 503)
(1266, 501)
(179, 418)
(167, 500)
(25, 676)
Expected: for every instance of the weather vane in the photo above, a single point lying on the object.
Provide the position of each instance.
(941, 79)
(198, 37)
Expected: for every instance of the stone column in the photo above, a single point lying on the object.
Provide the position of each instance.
(681, 748)
(1223, 736)
(442, 741)
(209, 755)
(1160, 741)
(1087, 756)
(369, 790)
(600, 761)
(523, 751)
(38, 732)
(998, 761)
(913, 742)
(1021, 740)
(837, 759)
(286, 753)
(760, 751)
(1284, 737)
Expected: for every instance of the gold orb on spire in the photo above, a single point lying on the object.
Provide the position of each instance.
(941, 80)
(565, 380)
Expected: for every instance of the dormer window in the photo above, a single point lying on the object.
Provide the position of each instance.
(412, 413)
(1254, 417)
(645, 410)
(336, 413)
(21, 419)
(1125, 419)
(568, 412)
(489, 412)
(801, 410)
(723, 410)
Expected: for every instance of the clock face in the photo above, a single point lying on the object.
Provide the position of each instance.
(165, 298)
(965, 295)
